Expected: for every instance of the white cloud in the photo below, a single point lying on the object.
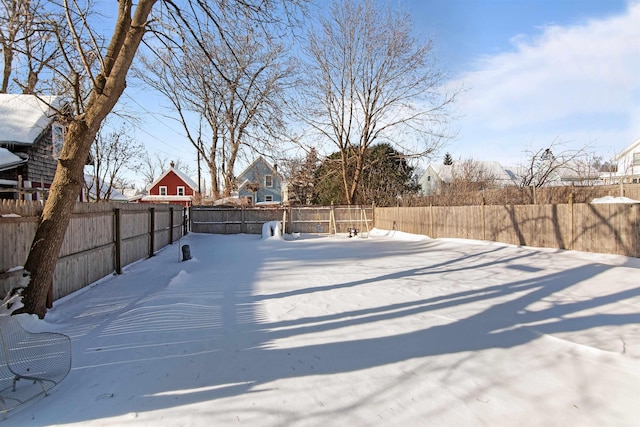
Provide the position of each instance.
(575, 81)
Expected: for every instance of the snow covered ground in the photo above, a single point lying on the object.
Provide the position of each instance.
(325, 331)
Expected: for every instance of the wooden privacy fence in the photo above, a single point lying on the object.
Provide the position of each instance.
(602, 228)
(101, 238)
(297, 219)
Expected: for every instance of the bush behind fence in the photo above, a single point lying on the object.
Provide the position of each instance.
(601, 228)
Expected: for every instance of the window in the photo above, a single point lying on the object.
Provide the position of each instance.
(57, 139)
(428, 178)
(268, 198)
(636, 159)
(268, 181)
(163, 190)
(180, 191)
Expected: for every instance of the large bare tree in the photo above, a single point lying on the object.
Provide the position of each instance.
(107, 84)
(231, 86)
(369, 81)
(31, 39)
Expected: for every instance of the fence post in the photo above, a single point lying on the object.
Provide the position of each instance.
(571, 220)
(242, 224)
(171, 225)
(284, 221)
(484, 226)
(152, 225)
(118, 242)
(184, 221)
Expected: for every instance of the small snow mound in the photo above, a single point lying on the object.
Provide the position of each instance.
(272, 230)
(611, 200)
(397, 235)
(181, 279)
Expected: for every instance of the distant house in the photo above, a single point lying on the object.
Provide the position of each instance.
(628, 166)
(173, 186)
(30, 142)
(436, 176)
(90, 193)
(260, 183)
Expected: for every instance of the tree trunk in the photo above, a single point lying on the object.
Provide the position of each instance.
(43, 256)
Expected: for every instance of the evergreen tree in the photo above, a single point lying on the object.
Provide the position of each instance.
(448, 160)
(385, 174)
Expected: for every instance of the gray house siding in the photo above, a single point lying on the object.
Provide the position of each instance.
(41, 166)
(260, 182)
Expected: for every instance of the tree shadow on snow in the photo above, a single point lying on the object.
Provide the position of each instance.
(222, 324)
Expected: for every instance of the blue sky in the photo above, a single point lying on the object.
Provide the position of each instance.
(535, 72)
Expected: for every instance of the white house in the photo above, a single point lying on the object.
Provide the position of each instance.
(628, 162)
(437, 175)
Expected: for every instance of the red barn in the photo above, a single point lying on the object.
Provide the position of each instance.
(173, 186)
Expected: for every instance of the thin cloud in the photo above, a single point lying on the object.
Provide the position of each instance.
(565, 73)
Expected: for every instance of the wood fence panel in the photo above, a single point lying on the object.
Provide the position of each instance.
(17, 235)
(134, 229)
(308, 220)
(498, 224)
(299, 219)
(89, 247)
(607, 228)
(88, 231)
(216, 220)
(77, 271)
(385, 219)
(162, 227)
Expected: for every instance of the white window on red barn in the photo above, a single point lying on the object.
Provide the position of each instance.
(181, 191)
(163, 190)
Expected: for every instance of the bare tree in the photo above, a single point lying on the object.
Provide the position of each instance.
(107, 84)
(84, 64)
(543, 166)
(299, 175)
(112, 154)
(30, 36)
(369, 80)
(232, 85)
(469, 177)
(12, 24)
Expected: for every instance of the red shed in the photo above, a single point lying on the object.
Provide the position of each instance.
(173, 186)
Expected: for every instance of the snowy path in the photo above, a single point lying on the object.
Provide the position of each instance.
(359, 332)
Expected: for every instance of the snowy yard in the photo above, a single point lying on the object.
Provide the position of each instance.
(326, 331)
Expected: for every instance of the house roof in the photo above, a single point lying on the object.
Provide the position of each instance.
(115, 195)
(24, 117)
(256, 161)
(8, 160)
(494, 168)
(634, 145)
(180, 175)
